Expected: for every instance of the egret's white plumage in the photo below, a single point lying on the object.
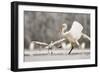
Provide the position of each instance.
(66, 46)
(69, 46)
(74, 34)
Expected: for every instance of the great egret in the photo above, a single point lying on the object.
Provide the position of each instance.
(74, 34)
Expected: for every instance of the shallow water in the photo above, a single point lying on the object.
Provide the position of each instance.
(73, 56)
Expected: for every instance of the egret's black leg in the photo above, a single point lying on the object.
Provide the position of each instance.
(71, 50)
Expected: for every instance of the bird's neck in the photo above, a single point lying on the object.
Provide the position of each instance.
(63, 30)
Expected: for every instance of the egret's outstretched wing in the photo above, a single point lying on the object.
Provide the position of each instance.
(85, 36)
(76, 30)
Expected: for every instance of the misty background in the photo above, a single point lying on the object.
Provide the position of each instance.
(45, 26)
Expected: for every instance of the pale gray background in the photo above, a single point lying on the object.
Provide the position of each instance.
(44, 26)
